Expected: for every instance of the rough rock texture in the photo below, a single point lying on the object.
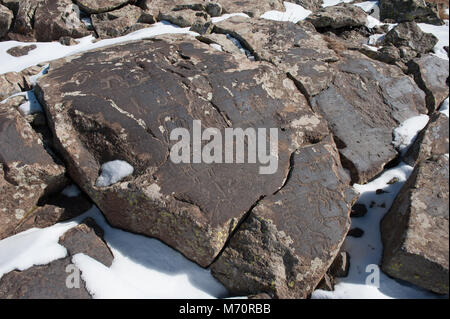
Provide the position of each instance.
(290, 238)
(41, 282)
(250, 7)
(431, 74)
(23, 22)
(415, 232)
(294, 48)
(11, 83)
(365, 102)
(54, 19)
(431, 142)
(118, 22)
(21, 50)
(6, 18)
(100, 113)
(27, 171)
(408, 34)
(312, 5)
(184, 18)
(87, 238)
(100, 6)
(409, 10)
(340, 16)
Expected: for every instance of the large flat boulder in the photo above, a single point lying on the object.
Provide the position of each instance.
(250, 7)
(100, 6)
(339, 16)
(28, 172)
(121, 103)
(415, 230)
(291, 238)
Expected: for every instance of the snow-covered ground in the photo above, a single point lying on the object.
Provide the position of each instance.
(145, 267)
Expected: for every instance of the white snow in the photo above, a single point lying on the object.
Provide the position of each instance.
(444, 107)
(368, 6)
(329, 3)
(32, 247)
(373, 22)
(367, 250)
(376, 39)
(113, 172)
(406, 133)
(294, 13)
(32, 105)
(33, 79)
(142, 267)
(238, 44)
(440, 32)
(71, 191)
(216, 46)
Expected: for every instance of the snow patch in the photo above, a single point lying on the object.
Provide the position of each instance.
(406, 133)
(329, 3)
(32, 105)
(294, 13)
(113, 172)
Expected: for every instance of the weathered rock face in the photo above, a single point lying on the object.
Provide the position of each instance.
(365, 102)
(99, 113)
(250, 7)
(290, 238)
(27, 172)
(408, 34)
(11, 83)
(87, 238)
(415, 230)
(312, 5)
(294, 48)
(431, 74)
(54, 19)
(118, 22)
(431, 142)
(6, 18)
(23, 22)
(340, 16)
(184, 18)
(49, 281)
(100, 6)
(409, 10)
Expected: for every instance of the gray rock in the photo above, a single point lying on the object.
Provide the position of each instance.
(185, 18)
(21, 50)
(11, 83)
(6, 18)
(119, 22)
(311, 5)
(100, 6)
(339, 16)
(409, 10)
(23, 22)
(431, 74)
(289, 240)
(415, 230)
(54, 19)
